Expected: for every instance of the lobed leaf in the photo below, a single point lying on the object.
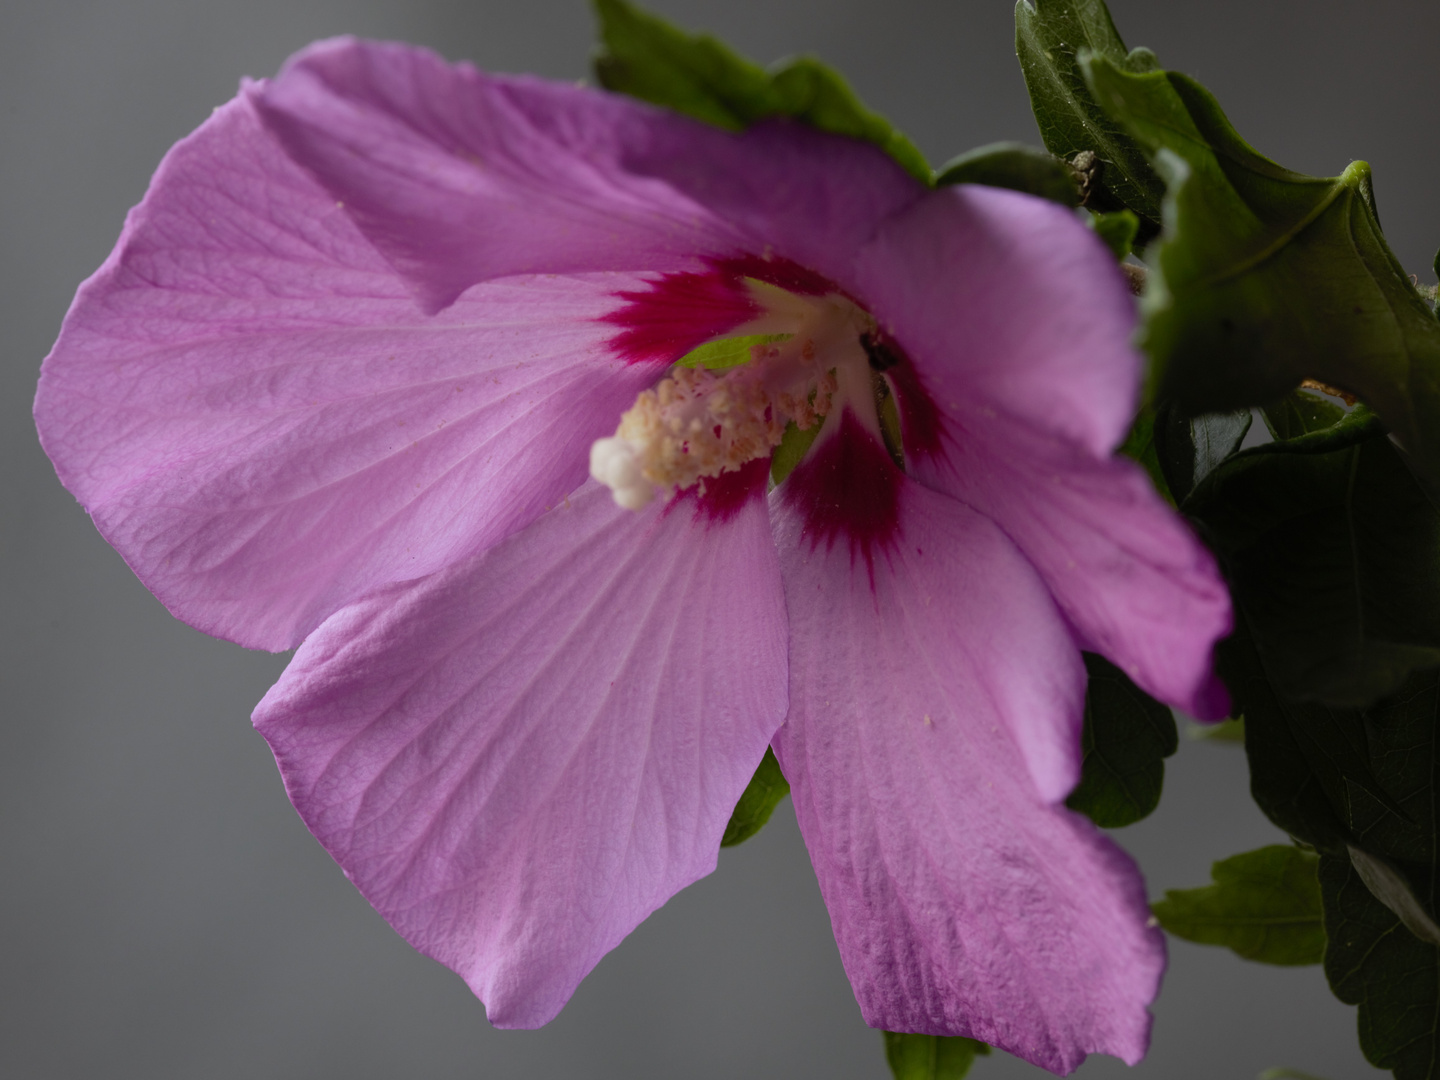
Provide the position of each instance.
(1310, 765)
(644, 56)
(931, 1057)
(1389, 885)
(1332, 550)
(1264, 905)
(1017, 167)
(1049, 36)
(1266, 277)
(1359, 785)
(1299, 414)
(1118, 229)
(1374, 962)
(757, 802)
(1126, 739)
(1189, 449)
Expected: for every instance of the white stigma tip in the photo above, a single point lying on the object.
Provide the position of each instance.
(615, 463)
(697, 423)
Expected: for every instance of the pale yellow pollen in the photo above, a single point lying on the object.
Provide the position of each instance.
(697, 423)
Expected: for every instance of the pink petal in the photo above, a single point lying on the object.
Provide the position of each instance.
(847, 491)
(248, 402)
(519, 759)
(1130, 576)
(1006, 301)
(809, 197)
(933, 725)
(460, 177)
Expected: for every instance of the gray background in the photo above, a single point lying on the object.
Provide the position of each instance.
(163, 911)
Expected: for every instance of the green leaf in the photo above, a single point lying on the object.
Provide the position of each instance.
(1191, 449)
(794, 445)
(1216, 438)
(1227, 731)
(1265, 276)
(1332, 550)
(1372, 961)
(1311, 766)
(1264, 905)
(817, 95)
(1142, 447)
(727, 352)
(764, 792)
(1017, 167)
(644, 56)
(1336, 778)
(931, 1057)
(1126, 739)
(1301, 413)
(1360, 785)
(1048, 36)
(1389, 885)
(1188, 450)
(1117, 229)
(1282, 1073)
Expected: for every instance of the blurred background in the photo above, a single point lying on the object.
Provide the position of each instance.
(164, 912)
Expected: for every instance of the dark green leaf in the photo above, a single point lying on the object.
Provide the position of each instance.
(1227, 731)
(1048, 35)
(1372, 961)
(645, 57)
(1175, 450)
(1142, 446)
(764, 792)
(1336, 778)
(1264, 905)
(931, 1057)
(1117, 229)
(1391, 887)
(1265, 276)
(1188, 449)
(1216, 437)
(1305, 760)
(1360, 785)
(1357, 783)
(1017, 167)
(1126, 739)
(1332, 550)
(816, 95)
(1301, 413)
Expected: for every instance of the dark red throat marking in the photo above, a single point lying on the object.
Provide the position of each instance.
(683, 310)
(725, 495)
(782, 273)
(921, 426)
(848, 488)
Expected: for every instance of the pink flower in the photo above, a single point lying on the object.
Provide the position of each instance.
(339, 386)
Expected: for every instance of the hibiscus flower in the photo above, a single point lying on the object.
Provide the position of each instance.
(342, 381)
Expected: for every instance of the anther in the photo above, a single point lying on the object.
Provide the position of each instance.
(881, 356)
(698, 423)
